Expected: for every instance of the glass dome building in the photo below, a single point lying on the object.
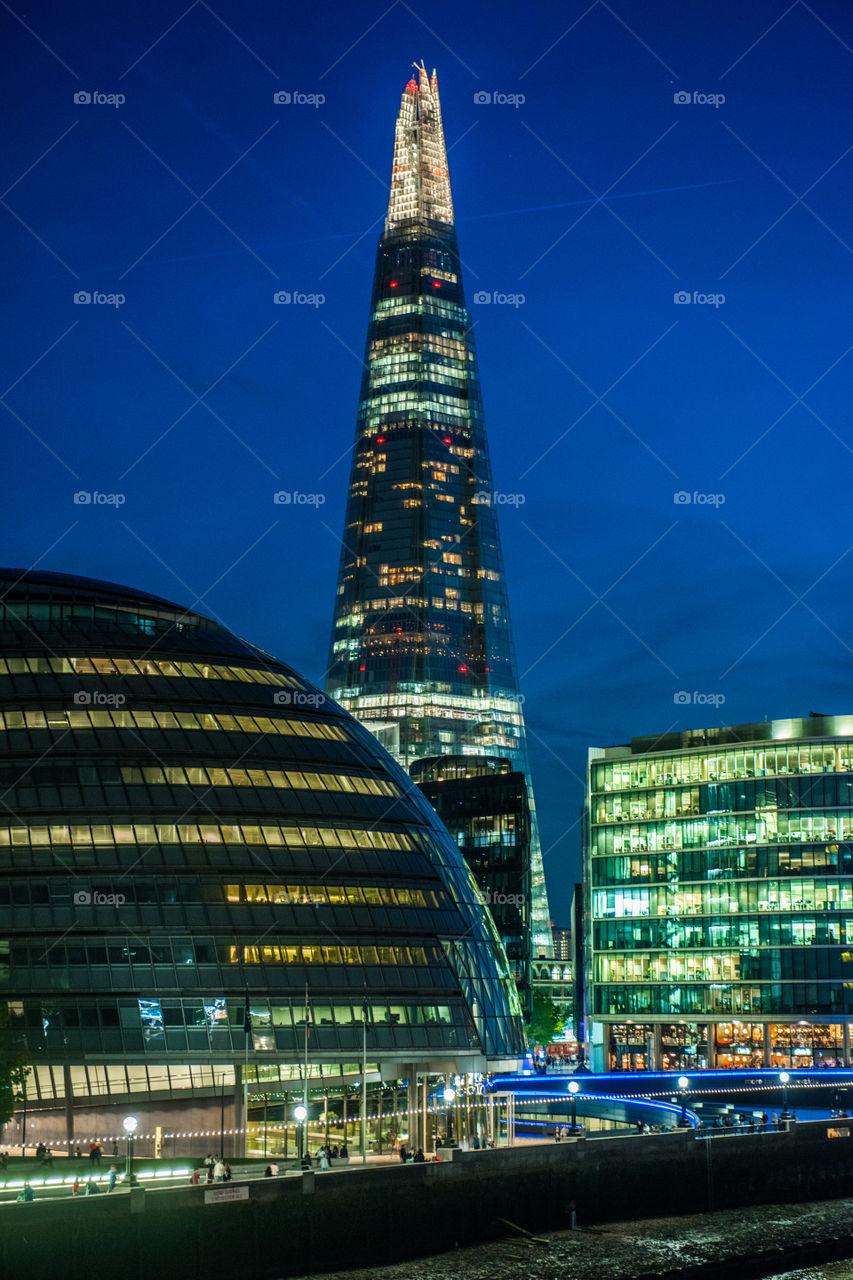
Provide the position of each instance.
(196, 846)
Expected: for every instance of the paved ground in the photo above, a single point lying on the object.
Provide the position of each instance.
(623, 1251)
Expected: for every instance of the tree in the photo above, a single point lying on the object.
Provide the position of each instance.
(545, 1019)
(13, 1074)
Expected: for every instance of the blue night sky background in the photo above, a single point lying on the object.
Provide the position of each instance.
(598, 198)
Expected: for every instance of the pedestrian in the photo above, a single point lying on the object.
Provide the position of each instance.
(274, 1168)
(403, 1152)
(476, 1142)
(93, 1152)
(219, 1170)
(75, 1190)
(335, 1152)
(92, 1188)
(419, 1157)
(99, 1151)
(268, 1172)
(208, 1164)
(115, 1149)
(196, 1177)
(344, 1152)
(113, 1178)
(228, 1174)
(324, 1160)
(774, 1120)
(26, 1195)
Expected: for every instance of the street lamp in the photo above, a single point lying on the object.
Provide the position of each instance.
(683, 1086)
(784, 1080)
(300, 1115)
(130, 1124)
(574, 1089)
(449, 1095)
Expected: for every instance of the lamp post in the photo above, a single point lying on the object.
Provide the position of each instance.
(300, 1115)
(574, 1089)
(449, 1097)
(683, 1086)
(784, 1080)
(130, 1125)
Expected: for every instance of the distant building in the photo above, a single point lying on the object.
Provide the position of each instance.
(719, 873)
(483, 803)
(562, 943)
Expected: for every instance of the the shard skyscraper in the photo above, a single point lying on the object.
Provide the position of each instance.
(422, 649)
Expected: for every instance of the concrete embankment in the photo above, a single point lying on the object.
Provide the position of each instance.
(326, 1222)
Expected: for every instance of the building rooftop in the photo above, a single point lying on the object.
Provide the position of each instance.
(814, 726)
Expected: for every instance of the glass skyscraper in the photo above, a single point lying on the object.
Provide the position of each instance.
(719, 884)
(422, 649)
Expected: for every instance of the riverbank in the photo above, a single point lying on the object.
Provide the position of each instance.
(720, 1242)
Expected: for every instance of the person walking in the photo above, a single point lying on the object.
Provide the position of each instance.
(208, 1164)
(324, 1160)
(219, 1171)
(113, 1178)
(403, 1152)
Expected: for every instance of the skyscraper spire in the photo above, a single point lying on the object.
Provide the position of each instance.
(422, 647)
(420, 182)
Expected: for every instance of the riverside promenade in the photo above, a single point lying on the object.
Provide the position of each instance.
(269, 1228)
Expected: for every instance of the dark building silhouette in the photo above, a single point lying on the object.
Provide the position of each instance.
(483, 804)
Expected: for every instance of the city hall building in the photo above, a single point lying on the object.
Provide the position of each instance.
(212, 875)
(718, 876)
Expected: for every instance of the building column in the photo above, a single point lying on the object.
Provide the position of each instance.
(69, 1109)
(712, 1045)
(768, 1047)
(424, 1126)
(656, 1058)
(845, 1043)
(412, 1105)
(240, 1110)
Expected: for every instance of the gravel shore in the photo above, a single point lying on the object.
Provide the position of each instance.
(625, 1250)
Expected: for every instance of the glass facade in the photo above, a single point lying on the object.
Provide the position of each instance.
(192, 836)
(719, 868)
(483, 804)
(422, 648)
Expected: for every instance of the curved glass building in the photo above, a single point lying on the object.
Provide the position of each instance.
(205, 861)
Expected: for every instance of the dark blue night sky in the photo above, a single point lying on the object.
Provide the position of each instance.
(598, 198)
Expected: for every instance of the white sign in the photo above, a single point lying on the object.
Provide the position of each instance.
(220, 1195)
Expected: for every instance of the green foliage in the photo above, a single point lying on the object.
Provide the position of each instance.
(545, 1019)
(13, 1075)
